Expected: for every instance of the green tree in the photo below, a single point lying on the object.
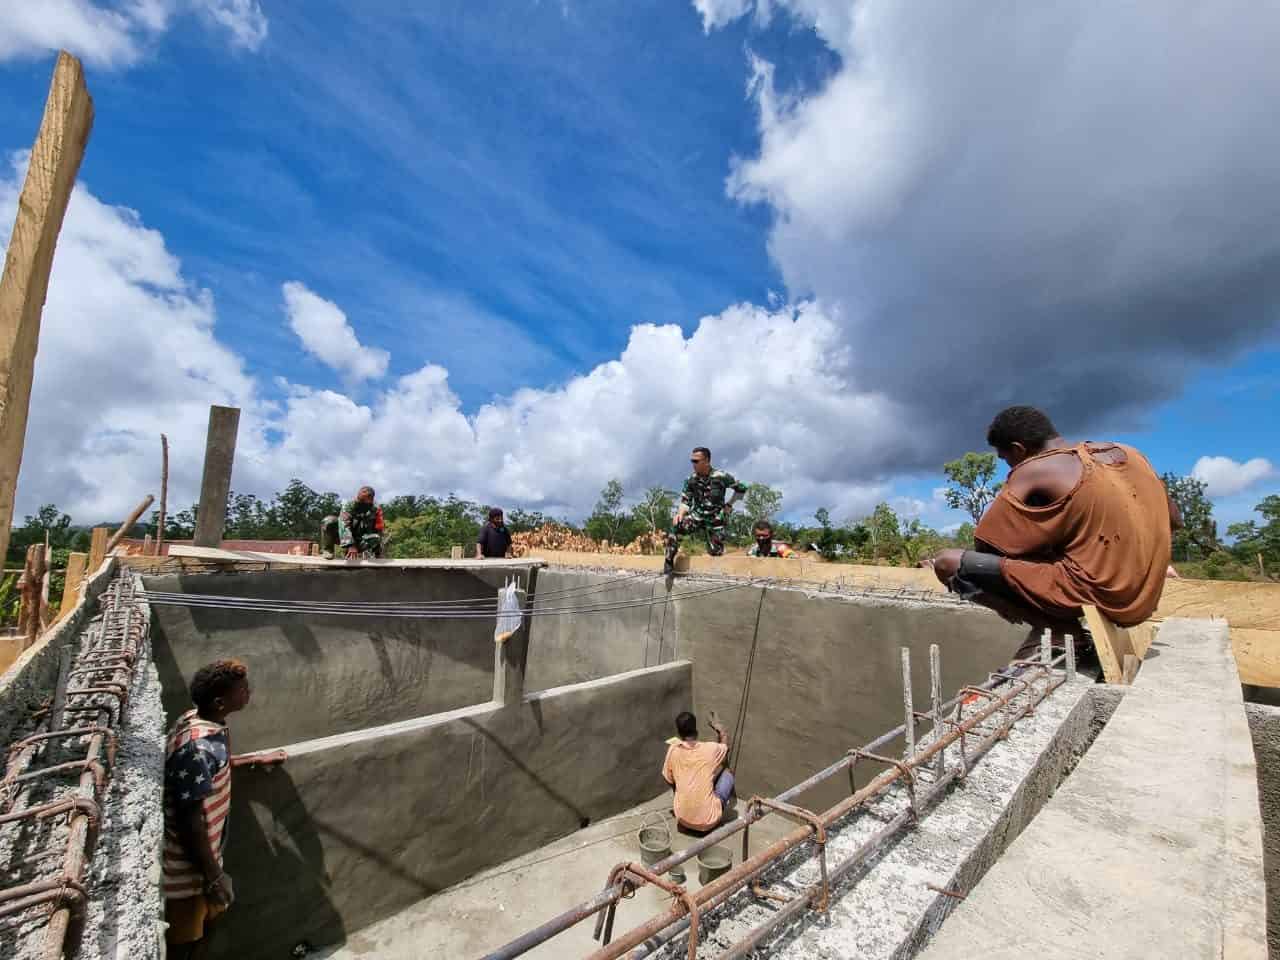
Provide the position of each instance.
(918, 541)
(883, 532)
(1199, 533)
(48, 522)
(963, 537)
(972, 484)
(608, 521)
(1253, 538)
(654, 512)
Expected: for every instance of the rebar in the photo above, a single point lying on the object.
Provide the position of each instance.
(93, 708)
(670, 925)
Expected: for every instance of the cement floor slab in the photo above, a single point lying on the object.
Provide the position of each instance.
(496, 906)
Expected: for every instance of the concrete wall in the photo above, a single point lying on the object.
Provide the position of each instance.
(357, 826)
(1264, 725)
(315, 676)
(827, 670)
(585, 646)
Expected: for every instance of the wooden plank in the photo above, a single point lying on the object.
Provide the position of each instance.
(125, 527)
(1257, 656)
(1112, 643)
(1131, 664)
(51, 174)
(98, 548)
(71, 584)
(1142, 636)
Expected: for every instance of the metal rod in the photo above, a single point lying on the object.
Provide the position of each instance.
(907, 705)
(1071, 657)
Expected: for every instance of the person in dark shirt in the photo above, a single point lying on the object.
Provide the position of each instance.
(494, 540)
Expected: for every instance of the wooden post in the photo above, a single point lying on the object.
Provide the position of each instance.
(164, 492)
(55, 161)
(97, 548)
(71, 585)
(36, 585)
(215, 486)
(125, 527)
(455, 552)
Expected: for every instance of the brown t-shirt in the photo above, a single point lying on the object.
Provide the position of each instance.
(1105, 543)
(692, 767)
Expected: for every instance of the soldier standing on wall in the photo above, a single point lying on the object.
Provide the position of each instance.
(703, 506)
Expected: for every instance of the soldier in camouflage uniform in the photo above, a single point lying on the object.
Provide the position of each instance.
(703, 506)
(358, 528)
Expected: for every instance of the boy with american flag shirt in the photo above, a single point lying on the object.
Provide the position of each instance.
(197, 799)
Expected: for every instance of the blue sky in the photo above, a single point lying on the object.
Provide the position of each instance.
(504, 191)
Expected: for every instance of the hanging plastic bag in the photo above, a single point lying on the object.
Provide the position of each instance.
(508, 613)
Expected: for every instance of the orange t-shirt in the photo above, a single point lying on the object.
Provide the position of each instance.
(692, 767)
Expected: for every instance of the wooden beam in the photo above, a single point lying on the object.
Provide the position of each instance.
(1112, 642)
(125, 527)
(71, 583)
(98, 548)
(55, 161)
(164, 493)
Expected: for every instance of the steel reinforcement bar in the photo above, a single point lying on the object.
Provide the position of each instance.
(96, 696)
(998, 697)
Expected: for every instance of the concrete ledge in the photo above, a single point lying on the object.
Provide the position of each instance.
(287, 560)
(1153, 846)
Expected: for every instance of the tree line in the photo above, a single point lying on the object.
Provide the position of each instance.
(428, 526)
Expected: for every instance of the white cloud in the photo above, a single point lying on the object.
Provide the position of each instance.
(129, 349)
(242, 19)
(1224, 477)
(717, 13)
(113, 35)
(977, 186)
(102, 37)
(325, 334)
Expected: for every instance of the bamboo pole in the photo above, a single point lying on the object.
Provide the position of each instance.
(164, 492)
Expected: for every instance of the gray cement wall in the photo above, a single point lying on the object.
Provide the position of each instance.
(827, 669)
(1264, 725)
(585, 646)
(357, 826)
(319, 675)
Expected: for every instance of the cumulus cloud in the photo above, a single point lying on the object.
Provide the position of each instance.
(325, 334)
(129, 349)
(1071, 205)
(1224, 477)
(113, 35)
(717, 13)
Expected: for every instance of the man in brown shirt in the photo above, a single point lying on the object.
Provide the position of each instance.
(1085, 524)
(696, 771)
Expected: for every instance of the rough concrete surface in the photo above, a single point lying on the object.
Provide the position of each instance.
(1264, 726)
(31, 678)
(1153, 846)
(888, 909)
(318, 675)
(493, 908)
(357, 826)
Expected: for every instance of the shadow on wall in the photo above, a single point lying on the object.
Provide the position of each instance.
(294, 861)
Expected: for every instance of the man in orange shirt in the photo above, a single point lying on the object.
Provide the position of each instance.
(696, 772)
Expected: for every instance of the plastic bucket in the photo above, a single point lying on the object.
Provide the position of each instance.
(712, 862)
(654, 839)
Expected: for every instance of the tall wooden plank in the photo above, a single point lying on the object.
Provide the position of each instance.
(1112, 642)
(215, 487)
(71, 582)
(98, 548)
(55, 161)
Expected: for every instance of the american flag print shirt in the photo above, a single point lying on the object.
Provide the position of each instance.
(197, 770)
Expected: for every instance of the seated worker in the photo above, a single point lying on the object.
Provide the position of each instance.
(360, 526)
(765, 545)
(1089, 523)
(494, 539)
(703, 506)
(696, 772)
